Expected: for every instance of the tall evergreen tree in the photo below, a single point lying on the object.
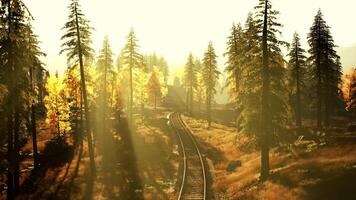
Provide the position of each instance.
(263, 91)
(200, 84)
(190, 79)
(332, 79)
(233, 63)
(210, 78)
(154, 88)
(274, 109)
(18, 56)
(325, 70)
(297, 70)
(133, 59)
(104, 68)
(163, 65)
(35, 81)
(76, 45)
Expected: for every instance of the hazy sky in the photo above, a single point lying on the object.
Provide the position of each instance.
(174, 28)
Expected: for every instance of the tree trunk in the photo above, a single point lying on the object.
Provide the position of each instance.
(33, 123)
(237, 92)
(10, 136)
(34, 136)
(265, 102)
(142, 111)
(155, 102)
(319, 86)
(208, 109)
(17, 152)
(298, 103)
(327, 92)
(131, 94)
(187, 100)
(105, 92)
(191, 99)
(81, 117)
(10, 156)
(86, 106)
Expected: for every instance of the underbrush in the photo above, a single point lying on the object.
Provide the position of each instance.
(57, 152)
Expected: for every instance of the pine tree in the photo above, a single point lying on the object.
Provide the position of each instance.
(332, 79)
(154, 88)
(234, 64)
(264, 113)
(297, 70)
(162, 63)
(251, 79)
(274, 109)
(77, 47)
(14, 75)
(199, 94)
(210, 76)
(133, 59)
(104, 69)
(325, 70)
(190, 79)
(35, 84)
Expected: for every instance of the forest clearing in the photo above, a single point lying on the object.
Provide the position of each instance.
(248, 114)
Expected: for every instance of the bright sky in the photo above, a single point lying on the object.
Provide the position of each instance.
(174, 28)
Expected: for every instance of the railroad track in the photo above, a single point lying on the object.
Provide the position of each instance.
(193, 180)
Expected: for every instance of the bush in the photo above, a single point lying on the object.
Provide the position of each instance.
(57, 152)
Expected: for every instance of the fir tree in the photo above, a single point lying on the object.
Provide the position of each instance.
(36, 83)
(263, 93)
(274, 109)
(14, 75)
(133, 59)
(233, 63)
(190, 79)
(297, 70)
(76, 45)
(104, 69)
(154, 88)
(210, 76)
(325, 70)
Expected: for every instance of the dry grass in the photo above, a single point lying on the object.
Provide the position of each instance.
(300, 174)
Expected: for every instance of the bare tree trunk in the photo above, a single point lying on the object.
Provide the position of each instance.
(10, 156)
(187, 100)
(33, 123)
(265, 102)
(327, 95)
(191, 99)
(131, 93)
(319, 82)
(298, 103)
(34, 136)
(208, 109)
(10, 128)
(16, 152)
(86, 105)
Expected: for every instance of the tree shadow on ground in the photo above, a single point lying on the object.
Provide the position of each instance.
(57, 153)
(117, 173)
(336, 186)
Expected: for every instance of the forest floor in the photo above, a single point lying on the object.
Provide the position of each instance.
(144, 167)
(307, 169)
